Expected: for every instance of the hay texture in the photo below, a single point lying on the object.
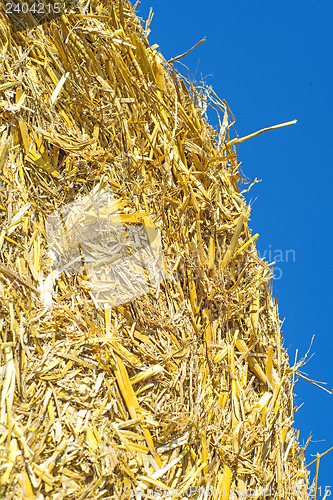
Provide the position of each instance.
(182, 386)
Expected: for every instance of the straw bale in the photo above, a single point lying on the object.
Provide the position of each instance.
(185, 387)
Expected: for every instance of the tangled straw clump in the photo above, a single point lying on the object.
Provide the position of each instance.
(185, 388)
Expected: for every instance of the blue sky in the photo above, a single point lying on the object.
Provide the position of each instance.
(272, 62)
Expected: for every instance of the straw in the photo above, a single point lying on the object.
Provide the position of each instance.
(170, 374)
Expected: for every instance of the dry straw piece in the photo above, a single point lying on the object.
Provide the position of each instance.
(186, 388)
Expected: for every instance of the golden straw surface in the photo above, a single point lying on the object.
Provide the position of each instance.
(186, 388)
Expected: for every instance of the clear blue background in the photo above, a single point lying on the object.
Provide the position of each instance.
(272, 62)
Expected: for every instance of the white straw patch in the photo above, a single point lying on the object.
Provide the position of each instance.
(58, 88)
